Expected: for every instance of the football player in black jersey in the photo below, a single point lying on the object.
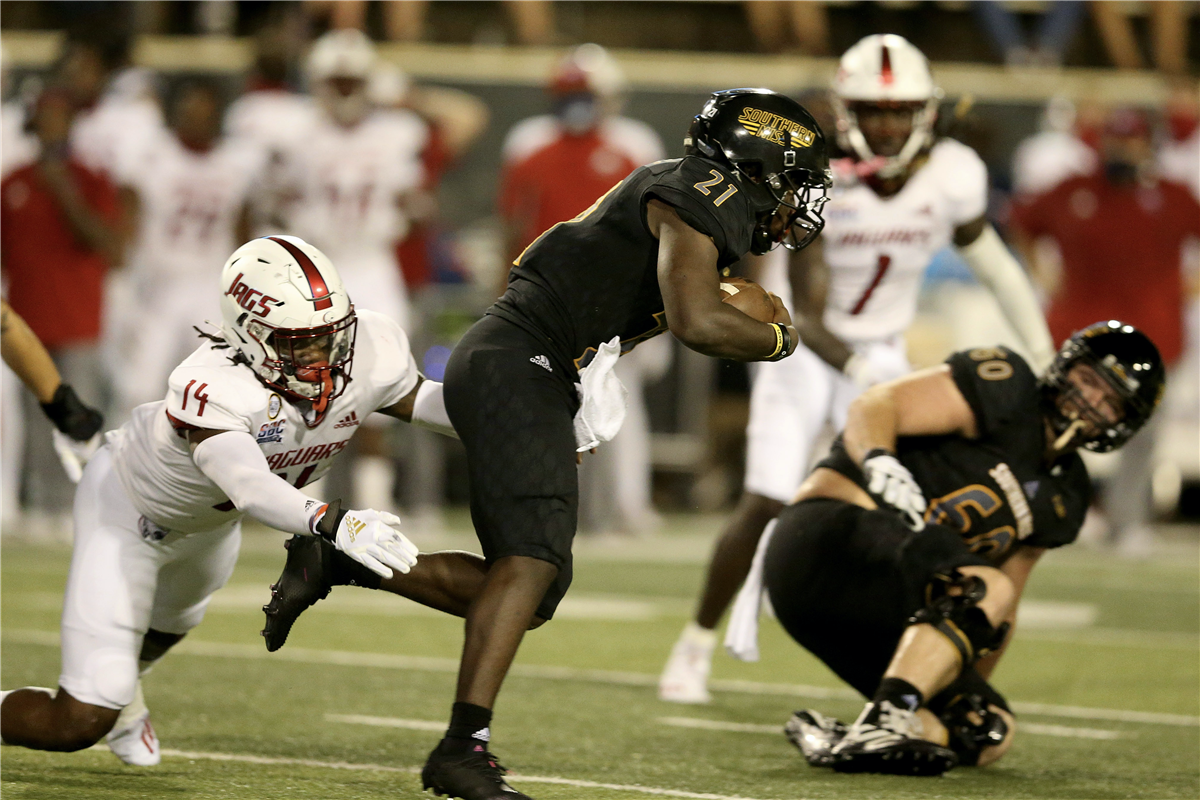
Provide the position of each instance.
(903, 557)
(644, 259)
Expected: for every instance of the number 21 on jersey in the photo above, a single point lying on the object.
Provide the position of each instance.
(706, 187)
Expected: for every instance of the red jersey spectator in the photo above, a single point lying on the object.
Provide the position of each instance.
(58, 235)
(1120, 232)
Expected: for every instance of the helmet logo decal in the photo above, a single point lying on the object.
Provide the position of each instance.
(775, 128)
(249, 298)
(885, 67)
(321, 297)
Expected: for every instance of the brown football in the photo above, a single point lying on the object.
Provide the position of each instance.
(748, 297)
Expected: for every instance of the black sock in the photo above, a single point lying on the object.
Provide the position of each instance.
(900, 693)
(345, 571)
(468, 727)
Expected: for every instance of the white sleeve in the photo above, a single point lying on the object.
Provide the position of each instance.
(964, 182)
(429, 409)
(234, 462)
(996, 269)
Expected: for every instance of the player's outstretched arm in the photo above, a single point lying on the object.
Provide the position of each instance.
(689, 282)
(996, 268)
(76, 425)
(424, 407)
(233, 461)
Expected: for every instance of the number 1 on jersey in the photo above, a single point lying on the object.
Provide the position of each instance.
(880, 270)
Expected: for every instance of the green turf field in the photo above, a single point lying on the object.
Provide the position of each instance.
(1103, 673)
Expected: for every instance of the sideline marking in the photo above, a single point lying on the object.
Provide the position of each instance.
(512, 776)
(348, 658)
(775, 730)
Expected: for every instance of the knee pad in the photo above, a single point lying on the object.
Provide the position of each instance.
(958, 617)
(963, 707)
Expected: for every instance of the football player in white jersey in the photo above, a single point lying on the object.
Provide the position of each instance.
(901, 196)
(254, 414)
(189, 194)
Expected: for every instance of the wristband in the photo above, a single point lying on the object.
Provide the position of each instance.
(327, 526)
(71, 416)
(783, 342)
(877, 451)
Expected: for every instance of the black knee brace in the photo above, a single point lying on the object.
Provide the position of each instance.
(958, 616)
(963, 707)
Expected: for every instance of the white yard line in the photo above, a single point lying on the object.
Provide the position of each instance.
(246, 758)
(776, 730)
(348, 658)
(388, 722)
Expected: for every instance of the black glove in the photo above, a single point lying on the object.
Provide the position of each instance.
(71, 416)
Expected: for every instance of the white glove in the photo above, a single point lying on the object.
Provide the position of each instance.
(863, 371)
(372, 539)
(890, 483)
(74, 454)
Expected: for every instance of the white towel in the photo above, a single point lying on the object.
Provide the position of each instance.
(602, 398)
(741, 637)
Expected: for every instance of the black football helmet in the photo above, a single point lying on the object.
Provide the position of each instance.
(1127, 359)
(777, 152)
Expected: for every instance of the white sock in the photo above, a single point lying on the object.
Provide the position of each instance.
(704, 638)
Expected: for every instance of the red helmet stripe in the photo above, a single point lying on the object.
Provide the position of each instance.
(886, 66)
(320, 292)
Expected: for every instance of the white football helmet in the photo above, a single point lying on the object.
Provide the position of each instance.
(339, 66)
(285, 311)
(885, 69)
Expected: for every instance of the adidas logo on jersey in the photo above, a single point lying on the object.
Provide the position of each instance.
(542, 362)
(348, 421)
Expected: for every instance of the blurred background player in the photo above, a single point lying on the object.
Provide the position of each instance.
(189, 201)
(1120, 232)
(349, 181)
(900, 196)
(555, 166)
(271, 115)
(59, 235)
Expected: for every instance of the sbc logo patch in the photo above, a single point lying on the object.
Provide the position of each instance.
(271, 431)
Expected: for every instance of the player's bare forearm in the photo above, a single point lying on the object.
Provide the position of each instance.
(808, 275)
(924, 403)
(403, 409)
(26, 356)
(690, 286)
(87, 226)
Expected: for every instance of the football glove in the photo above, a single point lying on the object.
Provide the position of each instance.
(71, 416)
(73, 454)
(370, 537)
(891, 485)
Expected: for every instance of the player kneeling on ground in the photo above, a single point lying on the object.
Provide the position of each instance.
(255, 413)
(912, 602)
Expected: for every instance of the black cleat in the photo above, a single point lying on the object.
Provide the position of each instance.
(304, 581)
(471, 775)
(815, 735)
(887, 740)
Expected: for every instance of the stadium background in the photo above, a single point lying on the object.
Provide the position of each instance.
(1105, 639)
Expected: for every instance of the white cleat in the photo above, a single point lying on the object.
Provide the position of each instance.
(685, 678)
(132, 738)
